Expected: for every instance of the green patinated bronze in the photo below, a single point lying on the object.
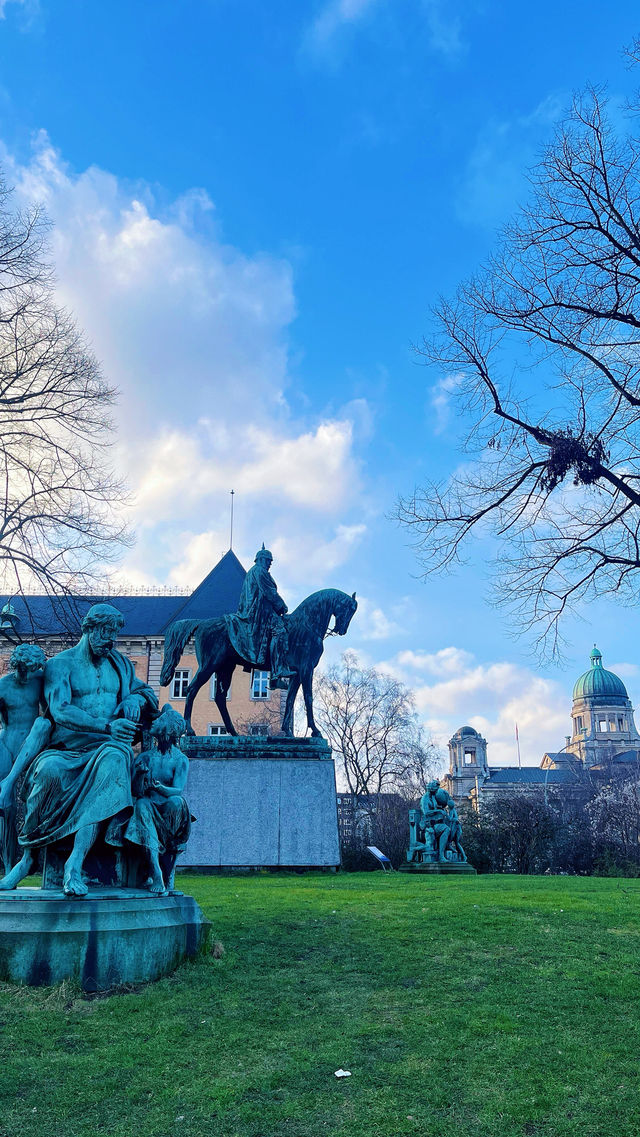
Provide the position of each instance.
(112, 937)
(102, 816)
(21, 700)
(435, 835)
(261, 634)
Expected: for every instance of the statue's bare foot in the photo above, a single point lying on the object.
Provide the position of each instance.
(73, 884)
(156, 885)
(18, 873)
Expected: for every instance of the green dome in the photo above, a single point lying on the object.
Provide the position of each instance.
(596, 682)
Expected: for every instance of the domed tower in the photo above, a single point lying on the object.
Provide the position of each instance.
(467, 761)
(602, 716)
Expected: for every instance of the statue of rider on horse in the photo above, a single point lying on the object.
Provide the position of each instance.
(258, 631)
(262, 634)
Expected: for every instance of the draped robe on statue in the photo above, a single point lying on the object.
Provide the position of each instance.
(84, 776)
(259, 615)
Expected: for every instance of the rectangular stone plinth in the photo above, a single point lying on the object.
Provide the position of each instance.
(267, 802)
(429, 868)
(256, 747)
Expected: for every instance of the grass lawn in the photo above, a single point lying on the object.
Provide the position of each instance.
(462, 1007)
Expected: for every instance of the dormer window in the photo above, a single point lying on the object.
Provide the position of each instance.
(469, 757)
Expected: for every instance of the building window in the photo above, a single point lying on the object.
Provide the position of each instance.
(578, 723)
(612, 724)
(216, 729)
(261, 729)
(260, 684)
(181, 679)
(469, 757)
(602, 726)
(621, 723)
(212, 688)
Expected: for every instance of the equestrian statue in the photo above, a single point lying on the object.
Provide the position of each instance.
(262, 634)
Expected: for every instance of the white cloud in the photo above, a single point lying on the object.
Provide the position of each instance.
(441, 394)
(182, 470)
(303, 557)
(444, 27)
(194, 333)
(446, 661)
(624, 670)
(31, 8)
(495, 177)
(188, 326)
(373, 623)
(491, 697)
(200, 551)
(335, 15)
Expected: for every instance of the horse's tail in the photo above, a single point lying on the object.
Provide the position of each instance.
(177, 636)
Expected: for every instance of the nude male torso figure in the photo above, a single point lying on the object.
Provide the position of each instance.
(19, 708)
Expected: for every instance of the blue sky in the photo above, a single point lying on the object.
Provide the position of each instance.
(254, 206)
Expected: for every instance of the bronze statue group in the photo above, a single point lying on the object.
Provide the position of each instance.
(71, 724)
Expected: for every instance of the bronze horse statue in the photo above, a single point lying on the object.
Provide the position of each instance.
(307, 627)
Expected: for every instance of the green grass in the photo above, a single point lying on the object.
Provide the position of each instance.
(463, 1008)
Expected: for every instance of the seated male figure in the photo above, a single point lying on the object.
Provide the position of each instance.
(83, 778)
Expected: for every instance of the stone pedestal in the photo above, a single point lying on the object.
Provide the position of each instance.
(111, 937)
(261, 802)
(429, 868)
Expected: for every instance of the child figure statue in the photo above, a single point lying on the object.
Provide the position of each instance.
(161, 820)
(21, 699)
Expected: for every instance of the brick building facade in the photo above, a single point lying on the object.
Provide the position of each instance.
(55, 624)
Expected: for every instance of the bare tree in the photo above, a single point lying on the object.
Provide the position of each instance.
(543, 350)
(58, 498)
(614, 814)
(370, 722)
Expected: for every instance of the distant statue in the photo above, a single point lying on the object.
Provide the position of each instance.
(81, 781)
(259, 632)
(161, 821)
(21, 699)
(455, 838)
(435, 829)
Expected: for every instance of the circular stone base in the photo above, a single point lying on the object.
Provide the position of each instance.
(429, 868)
(110, 937)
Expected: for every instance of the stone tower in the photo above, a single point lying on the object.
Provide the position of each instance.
(467, 761)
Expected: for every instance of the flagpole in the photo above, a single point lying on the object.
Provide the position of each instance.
(518, 745)
(231, 532)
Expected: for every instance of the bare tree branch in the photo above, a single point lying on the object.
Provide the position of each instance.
(553, 469)
(370, 722)
(59, 501)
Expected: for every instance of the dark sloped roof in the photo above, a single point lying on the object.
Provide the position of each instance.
(150, 615)
(217, 594)
(528, 775)
(628, 757)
